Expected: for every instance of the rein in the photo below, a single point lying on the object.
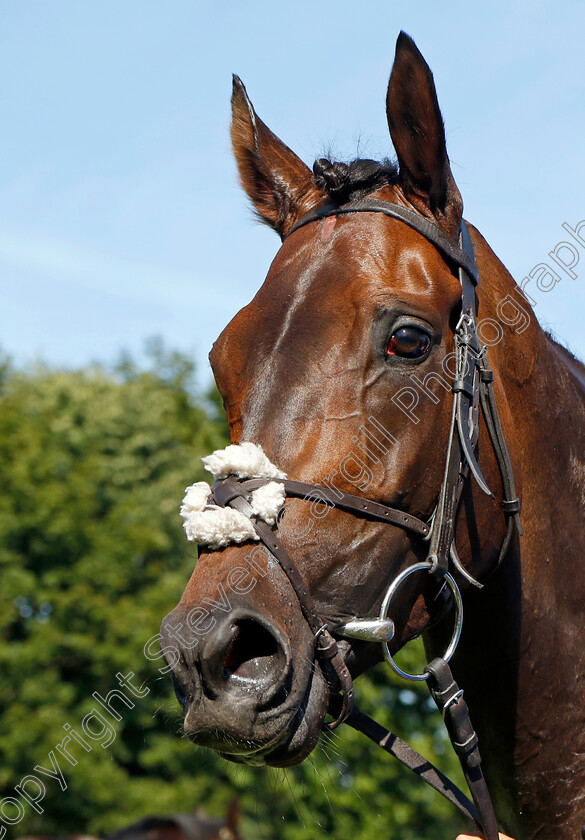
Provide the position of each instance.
(472, 388)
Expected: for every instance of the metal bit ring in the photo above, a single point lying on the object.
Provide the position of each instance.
(418, 567)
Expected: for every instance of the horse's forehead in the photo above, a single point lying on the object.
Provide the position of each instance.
(367, 253)
(323, 291)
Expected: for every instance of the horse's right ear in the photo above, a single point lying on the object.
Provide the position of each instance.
(278, 183)
(417, 132)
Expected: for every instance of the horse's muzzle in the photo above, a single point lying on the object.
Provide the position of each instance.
(245, 692)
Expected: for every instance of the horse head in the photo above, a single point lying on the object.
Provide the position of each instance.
(341, 369)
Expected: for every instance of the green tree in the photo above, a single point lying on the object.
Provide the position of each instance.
(93, 465)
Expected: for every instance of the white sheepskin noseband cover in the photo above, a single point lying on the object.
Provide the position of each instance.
(215, 526)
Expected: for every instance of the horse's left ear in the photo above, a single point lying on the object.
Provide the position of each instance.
(417, 132)
(278, 183)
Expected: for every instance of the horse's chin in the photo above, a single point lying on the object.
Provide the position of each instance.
(300, 735)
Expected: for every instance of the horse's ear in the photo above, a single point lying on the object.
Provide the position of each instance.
(417, 132)
(278, 183)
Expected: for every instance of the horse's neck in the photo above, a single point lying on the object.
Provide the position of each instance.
(521, 660)
(550, 709)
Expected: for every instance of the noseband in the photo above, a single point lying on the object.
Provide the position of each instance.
(472, 388)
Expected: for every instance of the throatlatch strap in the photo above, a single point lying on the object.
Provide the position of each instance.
(511, 502)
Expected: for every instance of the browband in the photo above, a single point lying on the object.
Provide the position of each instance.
(443, 243)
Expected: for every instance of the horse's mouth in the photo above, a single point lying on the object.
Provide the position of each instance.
(280, 739)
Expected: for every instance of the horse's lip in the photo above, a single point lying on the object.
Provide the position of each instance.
(263, 751)
(257, 755)
(275, 752)
(261, 755)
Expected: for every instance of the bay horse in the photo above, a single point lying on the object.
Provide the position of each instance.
(341, 369)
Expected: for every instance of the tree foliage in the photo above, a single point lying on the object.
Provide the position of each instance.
(93, 464)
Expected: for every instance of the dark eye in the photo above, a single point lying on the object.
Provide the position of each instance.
(408, 342)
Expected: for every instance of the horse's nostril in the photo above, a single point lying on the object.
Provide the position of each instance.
(253, 654)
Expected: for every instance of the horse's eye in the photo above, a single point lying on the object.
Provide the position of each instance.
(408, 342)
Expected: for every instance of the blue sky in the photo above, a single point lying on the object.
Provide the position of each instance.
(120, 212)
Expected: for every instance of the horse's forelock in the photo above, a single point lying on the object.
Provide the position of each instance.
(349, 181)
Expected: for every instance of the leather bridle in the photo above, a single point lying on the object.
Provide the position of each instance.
(472, 388)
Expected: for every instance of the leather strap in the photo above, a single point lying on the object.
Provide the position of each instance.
(345, 501)
(450, 702)
(463, 430)
(425, 227)
(469, 351)
(229, 491)
(511, 503)
(413, 760)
